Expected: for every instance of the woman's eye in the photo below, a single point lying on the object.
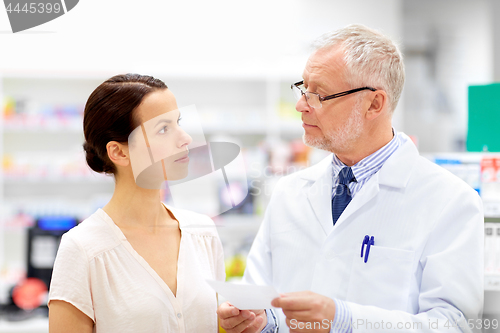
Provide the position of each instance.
(162, 130)
(178, 120)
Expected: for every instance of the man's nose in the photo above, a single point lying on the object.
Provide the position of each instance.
(302, 105)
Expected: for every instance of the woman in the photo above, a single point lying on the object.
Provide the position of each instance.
(135, 265)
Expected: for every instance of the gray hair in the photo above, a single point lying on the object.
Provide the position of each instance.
(371, 59)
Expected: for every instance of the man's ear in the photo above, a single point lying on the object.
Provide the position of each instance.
(378, 104)
(118, 153)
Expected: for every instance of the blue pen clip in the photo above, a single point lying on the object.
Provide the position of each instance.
(370, 243)
(365, 242)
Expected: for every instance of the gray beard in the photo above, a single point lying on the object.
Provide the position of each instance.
(341, 140)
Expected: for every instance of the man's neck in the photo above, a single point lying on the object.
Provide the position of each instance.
(365, 146)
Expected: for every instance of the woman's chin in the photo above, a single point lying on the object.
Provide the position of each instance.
(178, 173)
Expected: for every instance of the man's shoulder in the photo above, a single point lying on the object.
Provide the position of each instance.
(442, 180)
(423, 174)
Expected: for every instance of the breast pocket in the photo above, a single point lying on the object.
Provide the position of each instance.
(384, 280)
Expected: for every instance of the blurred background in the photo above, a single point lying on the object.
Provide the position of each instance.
(235, 61)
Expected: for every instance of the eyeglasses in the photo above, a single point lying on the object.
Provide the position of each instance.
(315, 100)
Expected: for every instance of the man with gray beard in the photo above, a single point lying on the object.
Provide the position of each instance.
(374, 237)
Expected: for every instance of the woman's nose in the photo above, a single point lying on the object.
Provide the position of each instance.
(184, 138)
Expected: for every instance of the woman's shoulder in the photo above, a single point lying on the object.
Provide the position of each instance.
(93, 235)
(194, 223)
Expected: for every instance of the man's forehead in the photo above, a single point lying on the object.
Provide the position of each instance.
(322, 64)
(315, 75)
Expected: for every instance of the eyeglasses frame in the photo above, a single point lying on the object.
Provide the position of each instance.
(340, 94)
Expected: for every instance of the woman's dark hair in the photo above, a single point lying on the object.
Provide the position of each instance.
(109, 115)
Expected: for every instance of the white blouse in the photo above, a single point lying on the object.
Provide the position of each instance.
(98, 272)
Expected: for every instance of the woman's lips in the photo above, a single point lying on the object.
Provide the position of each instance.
(183, 159)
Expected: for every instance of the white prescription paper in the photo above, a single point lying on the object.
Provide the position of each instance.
(245, 296)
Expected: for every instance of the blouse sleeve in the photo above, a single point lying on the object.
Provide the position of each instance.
(70, 280)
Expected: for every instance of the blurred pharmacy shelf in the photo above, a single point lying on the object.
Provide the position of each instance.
(36, 325)
(492, 282)
(492, 254)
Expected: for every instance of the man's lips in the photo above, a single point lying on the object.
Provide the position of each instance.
(307, 125)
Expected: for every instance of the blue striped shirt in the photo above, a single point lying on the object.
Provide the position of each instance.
(368, 166)
(272, 322)
(342, 323)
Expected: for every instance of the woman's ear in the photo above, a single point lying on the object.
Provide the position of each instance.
(378, 104)
(118, 153)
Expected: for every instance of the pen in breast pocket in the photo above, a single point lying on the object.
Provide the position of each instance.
(368, 241)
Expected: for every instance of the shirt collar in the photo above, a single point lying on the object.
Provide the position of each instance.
(370, 164)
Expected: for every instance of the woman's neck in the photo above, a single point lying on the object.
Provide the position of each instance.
(132, 207)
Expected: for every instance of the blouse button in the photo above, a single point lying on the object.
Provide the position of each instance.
(179, 315)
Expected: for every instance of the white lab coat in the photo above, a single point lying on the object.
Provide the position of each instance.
(426, 267)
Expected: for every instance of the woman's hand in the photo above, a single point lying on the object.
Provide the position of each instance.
(234, 320)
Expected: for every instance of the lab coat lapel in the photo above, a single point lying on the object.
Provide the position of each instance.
(398, 168)
(367, 192)
(395, 173)
(320, 191)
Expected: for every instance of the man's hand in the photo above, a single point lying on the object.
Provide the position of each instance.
(306, 311)
(234, 320)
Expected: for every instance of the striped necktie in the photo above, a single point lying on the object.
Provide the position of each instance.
(342, 195)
